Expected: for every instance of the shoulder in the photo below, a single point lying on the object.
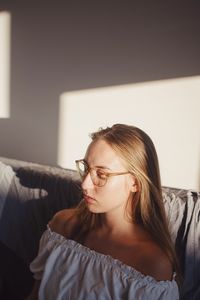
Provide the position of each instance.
(64, 222)
(154, 262)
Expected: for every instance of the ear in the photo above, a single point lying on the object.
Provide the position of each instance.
(134, 186)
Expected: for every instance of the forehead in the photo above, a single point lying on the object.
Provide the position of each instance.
(100, 153)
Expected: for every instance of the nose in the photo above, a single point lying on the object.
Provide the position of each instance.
(87, 182)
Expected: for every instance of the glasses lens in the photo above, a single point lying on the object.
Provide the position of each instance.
(82, 168)
(98, 177)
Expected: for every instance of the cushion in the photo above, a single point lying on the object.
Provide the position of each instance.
(183, 213)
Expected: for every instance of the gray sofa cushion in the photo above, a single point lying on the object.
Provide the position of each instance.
(31, 194)
(183, 212)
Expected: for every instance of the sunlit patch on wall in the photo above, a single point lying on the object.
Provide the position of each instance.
(5, 25)
(168, 110)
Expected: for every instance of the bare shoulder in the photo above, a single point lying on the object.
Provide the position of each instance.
(155, 263)
(63, 222)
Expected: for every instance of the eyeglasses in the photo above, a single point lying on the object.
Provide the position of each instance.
(99, 177)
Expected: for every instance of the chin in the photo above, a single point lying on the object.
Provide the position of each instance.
(94, 209)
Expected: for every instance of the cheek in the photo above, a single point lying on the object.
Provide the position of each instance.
(116, 190)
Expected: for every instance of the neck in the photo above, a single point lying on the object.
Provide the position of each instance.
(121, 228)
(115, 222)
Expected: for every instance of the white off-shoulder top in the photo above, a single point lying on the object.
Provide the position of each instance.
(69, 270)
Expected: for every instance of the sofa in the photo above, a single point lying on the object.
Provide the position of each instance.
(30, 194)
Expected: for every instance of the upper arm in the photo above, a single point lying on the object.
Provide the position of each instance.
(163, 269)
(158, 266)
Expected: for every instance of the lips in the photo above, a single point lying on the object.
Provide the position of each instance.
(88, 199)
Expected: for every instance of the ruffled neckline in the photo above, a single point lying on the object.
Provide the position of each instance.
(108, 259)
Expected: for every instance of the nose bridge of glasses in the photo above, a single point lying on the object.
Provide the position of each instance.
(93, 174)
(88, 175)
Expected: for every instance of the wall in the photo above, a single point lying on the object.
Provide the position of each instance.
(168, 110)
(66, 46)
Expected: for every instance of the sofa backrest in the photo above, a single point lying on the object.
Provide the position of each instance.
(30, 194)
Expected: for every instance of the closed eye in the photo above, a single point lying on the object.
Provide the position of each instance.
(101, 174)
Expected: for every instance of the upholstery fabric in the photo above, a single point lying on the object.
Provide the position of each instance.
(30, 194)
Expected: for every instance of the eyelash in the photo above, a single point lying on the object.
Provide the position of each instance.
(101, 174)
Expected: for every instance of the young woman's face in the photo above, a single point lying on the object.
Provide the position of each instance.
(117, 190)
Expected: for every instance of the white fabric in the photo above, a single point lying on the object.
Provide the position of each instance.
(70, 270)
(6, 177)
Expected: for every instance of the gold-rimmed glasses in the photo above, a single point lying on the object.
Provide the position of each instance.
(98, 175)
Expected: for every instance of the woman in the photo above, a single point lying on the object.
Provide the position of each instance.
(116, 243)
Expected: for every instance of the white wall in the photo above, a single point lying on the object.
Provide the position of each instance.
(5, 21)
(168, 110)
(64, 46)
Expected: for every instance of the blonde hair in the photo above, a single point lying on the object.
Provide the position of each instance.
(138, 153)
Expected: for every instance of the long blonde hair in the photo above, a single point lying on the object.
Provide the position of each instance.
(137, 151)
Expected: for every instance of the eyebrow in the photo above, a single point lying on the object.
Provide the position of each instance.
(99, 167)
